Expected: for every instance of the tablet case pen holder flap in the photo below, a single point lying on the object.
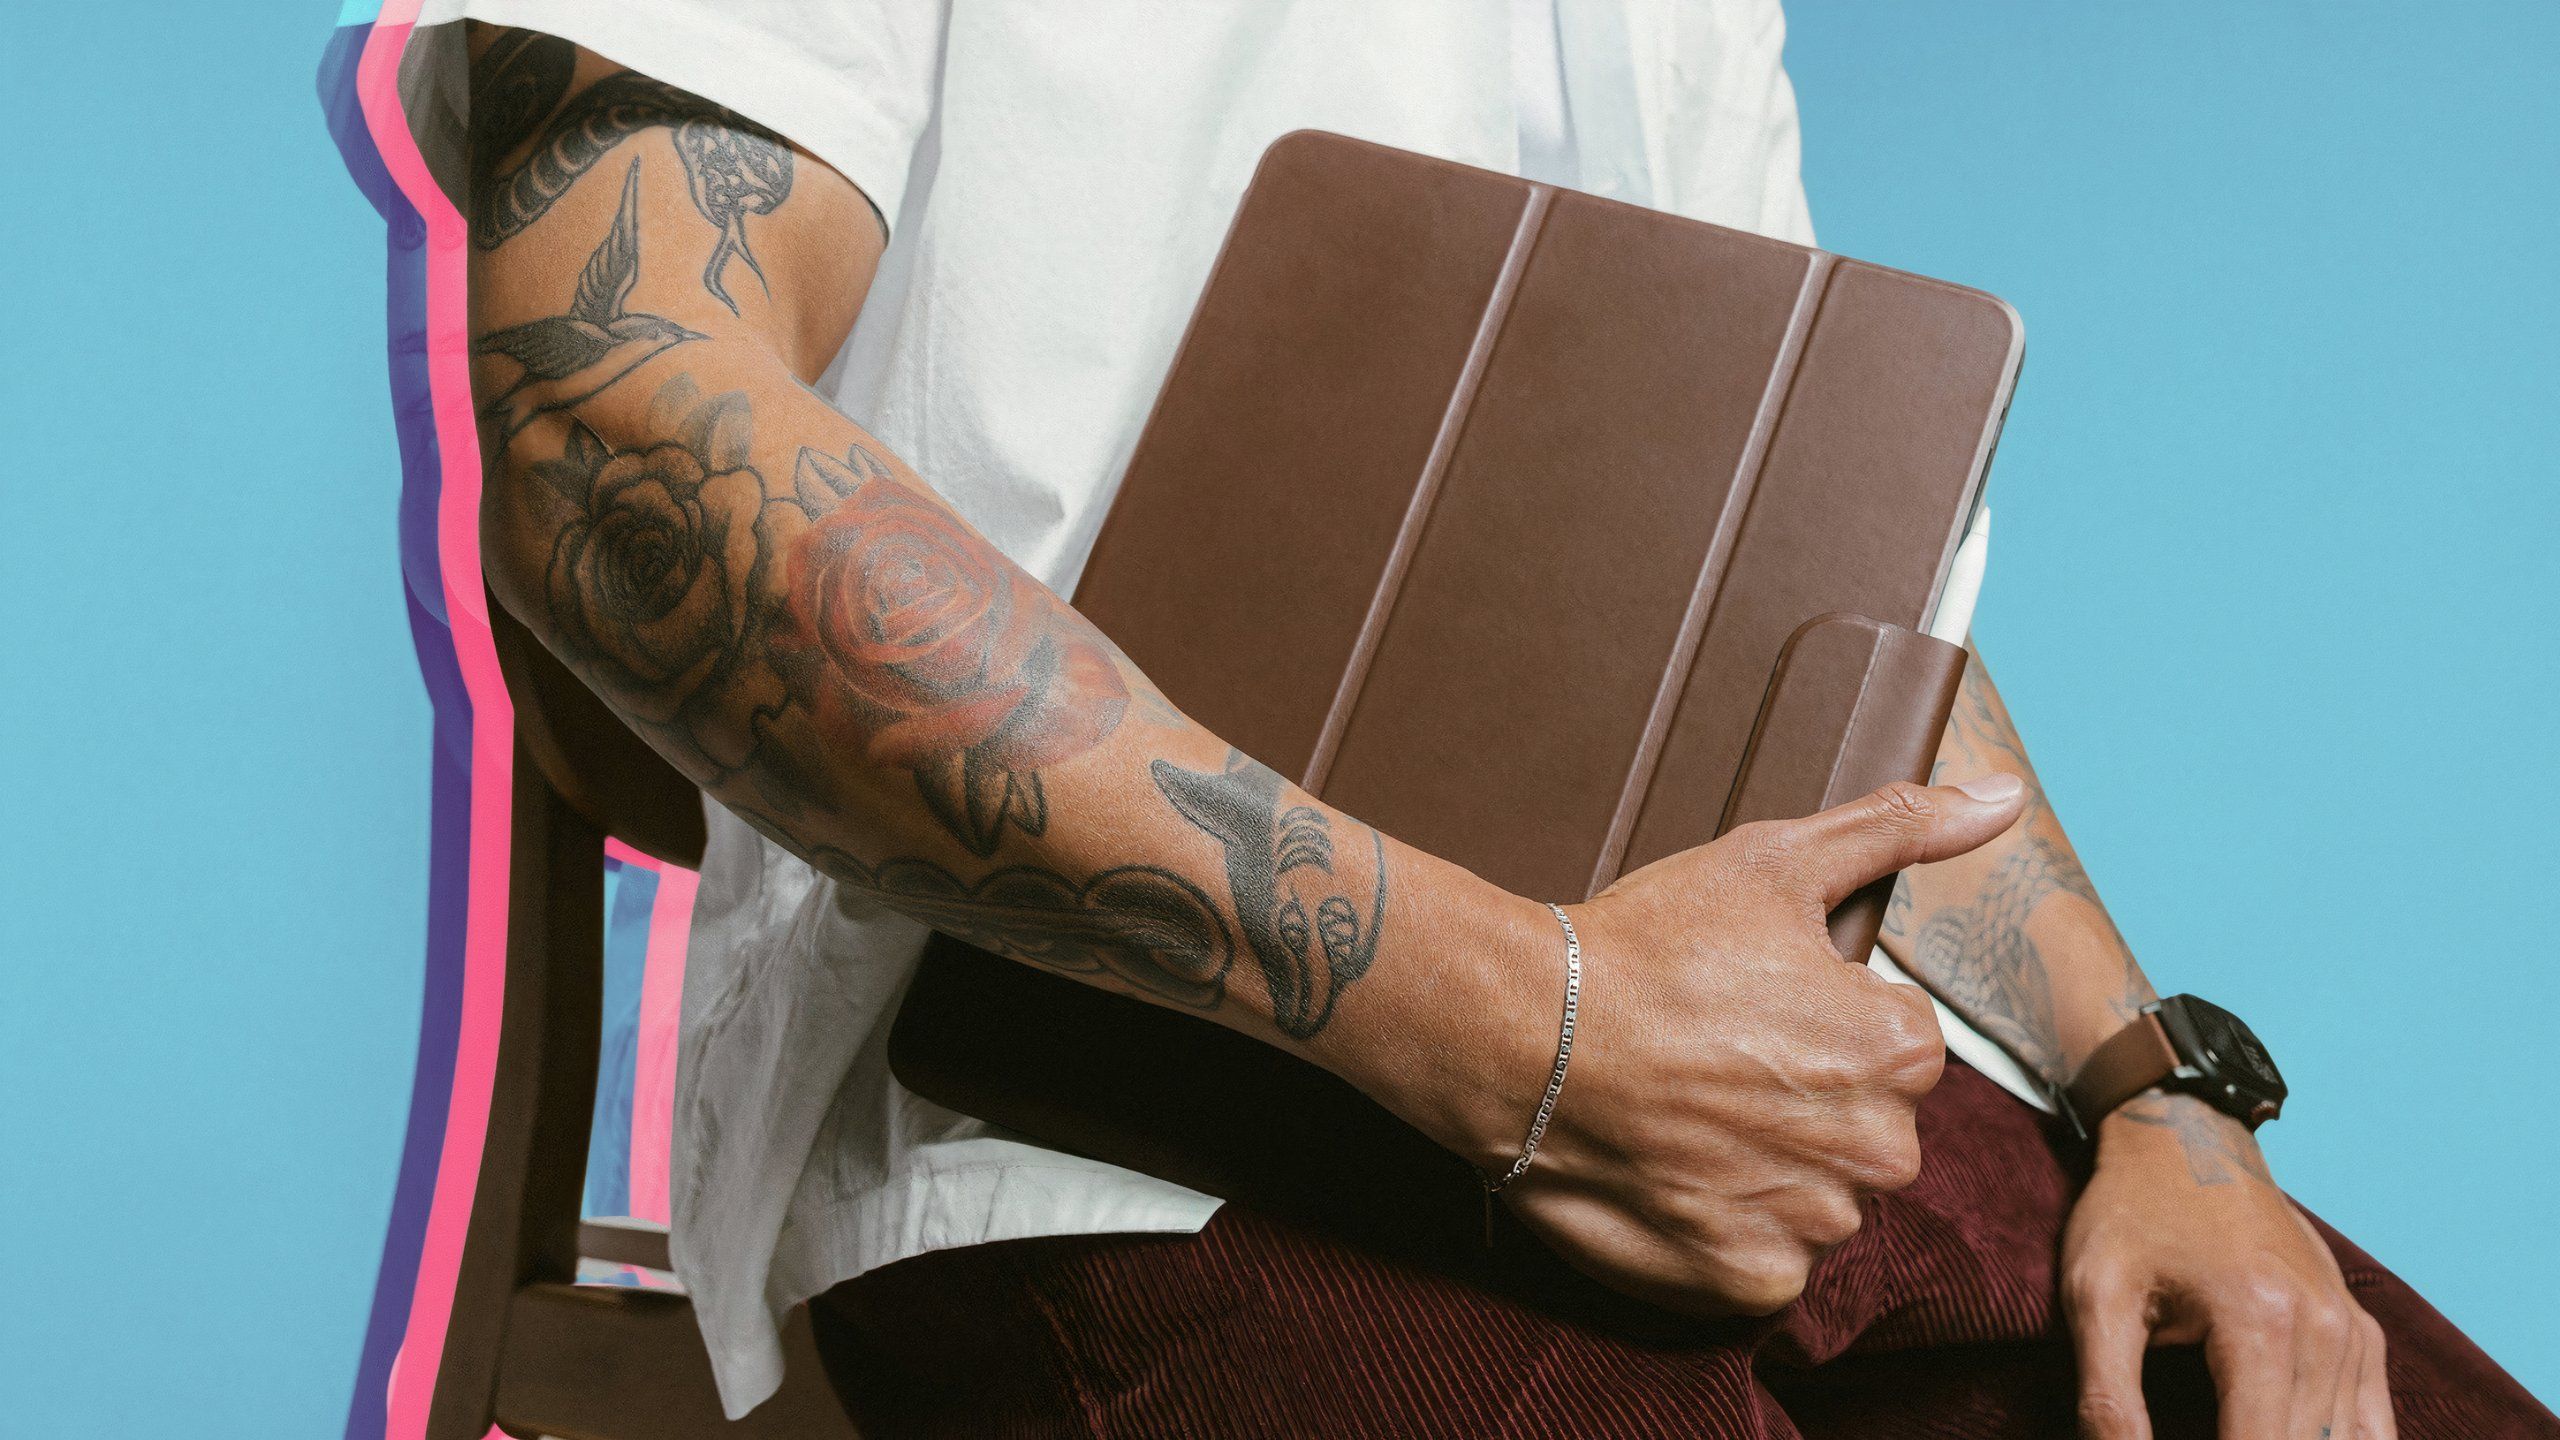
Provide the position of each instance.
(1853, 704)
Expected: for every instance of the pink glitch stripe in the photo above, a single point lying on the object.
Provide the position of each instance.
(412, 1384)
(653, 1081)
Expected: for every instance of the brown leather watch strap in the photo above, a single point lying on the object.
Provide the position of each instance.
(2131, 1061)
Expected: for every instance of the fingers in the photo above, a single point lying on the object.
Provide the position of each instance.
(2324, 1365)
(1910, 1047)
(2109, 1332)
(2326, 1355)
(2372, 1411)
(2338, 1408)
(2253, 1375)
(1832, 855)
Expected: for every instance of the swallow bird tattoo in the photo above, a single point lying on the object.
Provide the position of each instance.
(567, 359)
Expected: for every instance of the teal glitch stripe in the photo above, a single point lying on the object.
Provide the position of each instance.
(631, 893)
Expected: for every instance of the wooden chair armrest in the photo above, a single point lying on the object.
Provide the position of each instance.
(604, 1362)
(622, 1241)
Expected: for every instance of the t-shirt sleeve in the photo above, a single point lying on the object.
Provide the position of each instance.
(1726, 128)
(851, 81)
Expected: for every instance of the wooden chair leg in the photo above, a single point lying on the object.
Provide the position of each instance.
(524, 1214)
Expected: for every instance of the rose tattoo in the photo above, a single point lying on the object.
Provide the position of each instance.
(650, 582)
(916, 636)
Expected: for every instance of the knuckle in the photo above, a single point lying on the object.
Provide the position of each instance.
(1905, 808)
(1763, 1284)
(2271, 1304)
(2105, 1416)
(2326, 1319)
(1770, 853)
(1885, 1154)
(1835, 1075)
(2096, 1287)
(1913, 1050)
(1899, 1166)
(1836, 1222)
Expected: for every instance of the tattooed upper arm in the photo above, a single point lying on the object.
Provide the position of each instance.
(789, 615)
(762, 239)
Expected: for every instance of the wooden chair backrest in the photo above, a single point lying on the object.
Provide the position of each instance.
(607, 774)
(528, 1349)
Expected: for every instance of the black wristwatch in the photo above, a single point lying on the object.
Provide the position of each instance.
(2184, 1045)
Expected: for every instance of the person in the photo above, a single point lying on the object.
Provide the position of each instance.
(850, 636)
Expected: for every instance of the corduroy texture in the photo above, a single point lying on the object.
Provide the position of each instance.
(1938, 1320)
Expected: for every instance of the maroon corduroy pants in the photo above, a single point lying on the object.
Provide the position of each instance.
(1940, 1319)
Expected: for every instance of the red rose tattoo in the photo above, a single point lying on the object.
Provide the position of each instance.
(941, 656)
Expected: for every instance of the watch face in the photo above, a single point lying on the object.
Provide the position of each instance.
(2224, 1051)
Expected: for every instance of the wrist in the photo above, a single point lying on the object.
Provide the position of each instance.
(1463, 1051)
(2174, 1132)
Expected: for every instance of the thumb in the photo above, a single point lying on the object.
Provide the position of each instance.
(2110, 1338)
(1846, 847)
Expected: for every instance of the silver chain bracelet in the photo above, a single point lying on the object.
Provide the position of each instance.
(1555, 1078)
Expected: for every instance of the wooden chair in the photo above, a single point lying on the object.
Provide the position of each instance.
(529, 1350)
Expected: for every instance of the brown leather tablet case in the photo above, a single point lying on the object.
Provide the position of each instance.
(1548, 534)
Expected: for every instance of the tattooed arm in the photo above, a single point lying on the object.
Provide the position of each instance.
(804, 628)
(2013, 936)
(797, 621)
(2181, 1235)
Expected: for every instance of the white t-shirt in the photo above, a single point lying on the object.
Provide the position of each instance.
(1056, 179)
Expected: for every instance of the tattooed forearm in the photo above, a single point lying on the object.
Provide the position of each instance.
(704, 602)
(2014, 937)
(810, 634)
(695, 595)
(1311, 930)
(1979, 735)
(895, 624)
(1986, 966)
(2218, 1151)
(1143, 925)
(734, 167)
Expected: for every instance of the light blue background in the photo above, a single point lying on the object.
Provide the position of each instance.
(2272, 600)
(213, 826)
(2272, 589)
